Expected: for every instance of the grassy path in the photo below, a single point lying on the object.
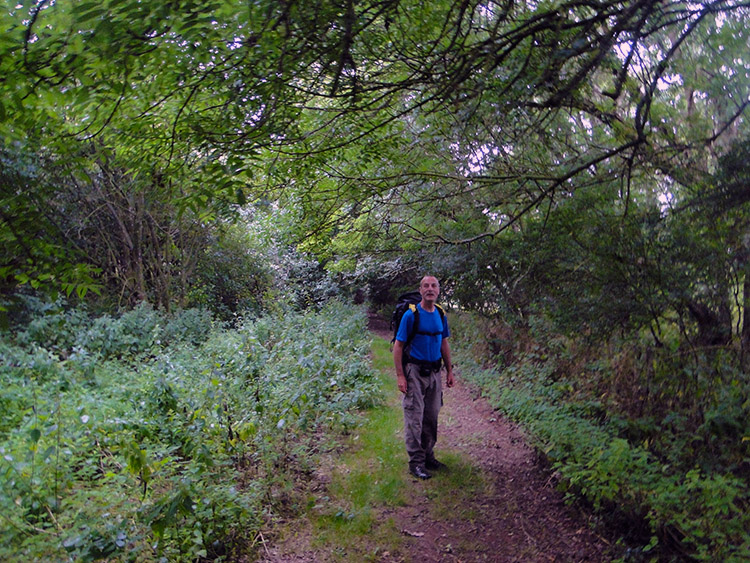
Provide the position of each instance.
(353, 517)
(491, 505)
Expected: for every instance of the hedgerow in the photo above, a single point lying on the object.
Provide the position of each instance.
(682, 484)
(149, 437)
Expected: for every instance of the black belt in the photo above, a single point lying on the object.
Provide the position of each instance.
(424, 365)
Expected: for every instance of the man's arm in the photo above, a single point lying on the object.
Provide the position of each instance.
(445, 350)
(398, 356)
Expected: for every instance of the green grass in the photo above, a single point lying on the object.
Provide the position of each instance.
(376, 468)
(382, 360)
(370, 476)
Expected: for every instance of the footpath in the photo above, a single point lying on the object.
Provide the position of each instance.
(519, 517)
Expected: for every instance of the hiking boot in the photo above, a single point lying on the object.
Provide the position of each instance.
(419, 472)
(434, 465)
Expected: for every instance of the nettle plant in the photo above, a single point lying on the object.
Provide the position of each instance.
(139, 449)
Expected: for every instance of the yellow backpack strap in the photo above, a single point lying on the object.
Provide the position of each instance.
(442, 314)
(415, 325)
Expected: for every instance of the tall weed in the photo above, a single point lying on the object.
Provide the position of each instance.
(151, 437)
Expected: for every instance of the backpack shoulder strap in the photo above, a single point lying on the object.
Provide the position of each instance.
(414, 326)
(441, 312)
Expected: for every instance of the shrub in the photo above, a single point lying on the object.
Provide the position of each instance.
(112, 453)
(685, 480)
(188, 325)
(134, 332)
(232, 275)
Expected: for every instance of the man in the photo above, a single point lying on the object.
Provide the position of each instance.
(418, 371)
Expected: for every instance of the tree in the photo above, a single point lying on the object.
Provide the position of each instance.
(382, 109)
(36, 249)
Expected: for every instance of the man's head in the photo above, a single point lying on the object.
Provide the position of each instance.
(429, 288)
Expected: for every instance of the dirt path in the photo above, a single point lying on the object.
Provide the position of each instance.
(522, 518)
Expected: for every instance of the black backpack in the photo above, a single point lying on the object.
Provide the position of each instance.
(405, 302)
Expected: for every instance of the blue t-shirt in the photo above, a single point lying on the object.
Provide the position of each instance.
(424, 347)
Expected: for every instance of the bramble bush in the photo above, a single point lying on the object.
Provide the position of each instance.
(149, 437)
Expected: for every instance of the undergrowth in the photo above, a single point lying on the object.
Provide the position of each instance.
(367, 476)
(667, 453)
(155, 437)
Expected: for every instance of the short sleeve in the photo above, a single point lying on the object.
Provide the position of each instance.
(405, 327)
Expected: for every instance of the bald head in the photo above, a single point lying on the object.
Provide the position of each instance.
(429, 288)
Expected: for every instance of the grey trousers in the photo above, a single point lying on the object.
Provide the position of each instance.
(422, 402)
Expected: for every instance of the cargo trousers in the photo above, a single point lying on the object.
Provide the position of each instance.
(422, 402)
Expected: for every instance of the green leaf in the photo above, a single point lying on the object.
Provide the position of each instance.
(34, 435)
(88, 11)
(241, 199)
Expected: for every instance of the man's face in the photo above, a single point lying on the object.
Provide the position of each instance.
(429, 288)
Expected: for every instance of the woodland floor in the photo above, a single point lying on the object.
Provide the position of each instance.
(522, 518)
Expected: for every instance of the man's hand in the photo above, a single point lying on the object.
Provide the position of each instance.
(402, 386)
(398, 354)
(445, 349)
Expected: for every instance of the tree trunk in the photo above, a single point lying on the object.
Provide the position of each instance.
(745, 335)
